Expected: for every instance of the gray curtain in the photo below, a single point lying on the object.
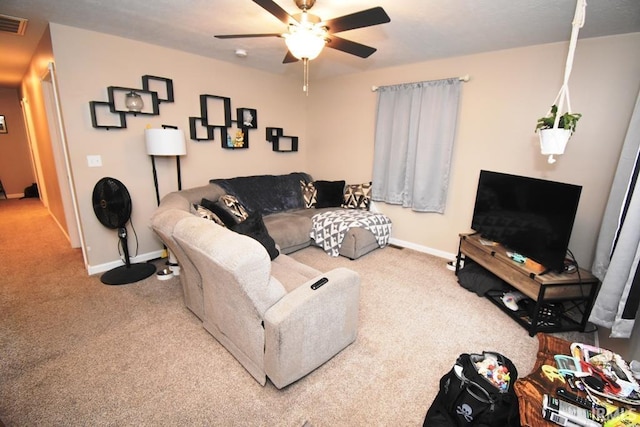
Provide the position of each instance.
(618, 247)
(415, 130)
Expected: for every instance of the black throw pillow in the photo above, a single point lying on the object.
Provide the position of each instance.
(221, 211)
(329, 193)
(254, 227)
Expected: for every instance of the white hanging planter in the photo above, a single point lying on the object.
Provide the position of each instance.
(554, 132)
(554, 140)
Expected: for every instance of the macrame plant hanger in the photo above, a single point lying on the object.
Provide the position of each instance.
(563, 94)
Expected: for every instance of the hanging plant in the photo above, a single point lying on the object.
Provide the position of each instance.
(566, 121)
(555, 131)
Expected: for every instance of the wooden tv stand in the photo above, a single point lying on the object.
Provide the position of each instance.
(559, 302)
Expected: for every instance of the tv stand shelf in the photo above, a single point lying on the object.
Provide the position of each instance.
(561, 301)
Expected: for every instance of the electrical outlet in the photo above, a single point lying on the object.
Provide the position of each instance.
(94, 161)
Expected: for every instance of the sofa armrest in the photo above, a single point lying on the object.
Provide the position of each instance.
(308, 327)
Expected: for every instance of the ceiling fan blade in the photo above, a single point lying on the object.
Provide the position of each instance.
(288, 58)
(244, 36)
(351, 47)
(273, 8)
(364, 18)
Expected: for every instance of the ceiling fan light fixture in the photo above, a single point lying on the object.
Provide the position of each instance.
(307, 33)
(305, 42)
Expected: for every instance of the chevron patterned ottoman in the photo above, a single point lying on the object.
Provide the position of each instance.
(330, 227)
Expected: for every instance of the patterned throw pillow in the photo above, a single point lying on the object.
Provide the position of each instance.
(357, 196)
(234, 206)
(207, 214)
(309, 193)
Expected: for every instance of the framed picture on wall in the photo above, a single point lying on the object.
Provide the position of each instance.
(3, 125)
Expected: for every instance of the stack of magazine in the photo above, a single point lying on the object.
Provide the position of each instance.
(612, 392)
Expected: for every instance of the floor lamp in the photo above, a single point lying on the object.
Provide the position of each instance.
(165, 142)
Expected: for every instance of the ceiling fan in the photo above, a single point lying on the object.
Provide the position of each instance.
(307, 34)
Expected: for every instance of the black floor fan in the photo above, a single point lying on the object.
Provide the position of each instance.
(112, 205)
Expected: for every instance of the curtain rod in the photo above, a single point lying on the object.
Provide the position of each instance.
(461, 78)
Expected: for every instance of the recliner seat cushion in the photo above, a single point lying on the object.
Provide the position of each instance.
(289, 230)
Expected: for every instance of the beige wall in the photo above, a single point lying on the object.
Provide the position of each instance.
(16, 171)
(88, 62)
(507, 92)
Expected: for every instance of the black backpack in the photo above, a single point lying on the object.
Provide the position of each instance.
(467, 398)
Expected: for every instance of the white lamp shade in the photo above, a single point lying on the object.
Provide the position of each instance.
(165, 142)
(304, 43)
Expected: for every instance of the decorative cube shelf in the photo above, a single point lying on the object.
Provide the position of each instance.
(150, 99)
(279, 141)
(207, 116)
(230, 141)
(280, 144)
(149, 83)
(215, 113)
(101, 113)
(154, 91)
(196, 124)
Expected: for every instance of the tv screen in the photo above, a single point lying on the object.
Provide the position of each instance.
(532, 217)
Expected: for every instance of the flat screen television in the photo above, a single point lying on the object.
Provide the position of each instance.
(529, 216)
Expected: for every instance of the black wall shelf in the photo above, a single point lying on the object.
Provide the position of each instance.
(208, 118)
(117, 94)
(232, 140)
(215, 114)
(101, 113)
(154, 91)
(196, 124)
(280, 142)
(149, 83)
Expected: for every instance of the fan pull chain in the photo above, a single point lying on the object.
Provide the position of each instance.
(305, 84)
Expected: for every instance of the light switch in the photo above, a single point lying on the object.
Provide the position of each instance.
(94, 161)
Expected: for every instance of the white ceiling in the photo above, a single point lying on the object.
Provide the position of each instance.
(419, 29)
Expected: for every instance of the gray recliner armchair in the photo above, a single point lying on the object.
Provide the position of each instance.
(265, 312)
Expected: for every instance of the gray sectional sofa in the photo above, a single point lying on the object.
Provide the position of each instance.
(263, 310)
(279, 199)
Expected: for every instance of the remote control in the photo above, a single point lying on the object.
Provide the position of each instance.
(319, 283)
(580, 401)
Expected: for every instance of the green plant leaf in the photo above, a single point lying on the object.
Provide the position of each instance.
(566, 121)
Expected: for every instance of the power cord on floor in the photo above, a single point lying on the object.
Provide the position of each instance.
(121, 249)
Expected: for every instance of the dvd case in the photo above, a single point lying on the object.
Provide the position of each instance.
(566, 414)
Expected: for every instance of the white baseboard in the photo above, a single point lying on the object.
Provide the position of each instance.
(421, 248)
(96, 269)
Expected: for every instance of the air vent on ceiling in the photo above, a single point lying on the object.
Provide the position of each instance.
(13, 25)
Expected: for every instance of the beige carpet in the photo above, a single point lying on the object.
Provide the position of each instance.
(76, 352)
